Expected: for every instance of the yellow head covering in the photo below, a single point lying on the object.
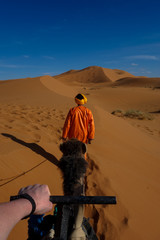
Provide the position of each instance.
(80, 99)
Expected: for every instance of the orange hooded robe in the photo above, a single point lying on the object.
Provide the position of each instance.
(79, 124)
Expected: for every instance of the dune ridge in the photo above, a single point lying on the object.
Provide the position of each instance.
(92, 74)
(123, 159)
(58, 87)
(112, 77)
(138, 82)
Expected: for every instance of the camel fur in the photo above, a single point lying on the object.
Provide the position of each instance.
(73, 166)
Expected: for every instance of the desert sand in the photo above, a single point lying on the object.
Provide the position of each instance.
(124, 158)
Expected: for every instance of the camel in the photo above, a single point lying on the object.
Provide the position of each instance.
(67, 221)
(73, 166)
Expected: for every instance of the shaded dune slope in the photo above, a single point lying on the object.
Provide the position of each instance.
(138, 82)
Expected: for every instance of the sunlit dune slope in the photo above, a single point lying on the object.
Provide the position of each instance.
(58, 87)
(123, 159)
(126, 164)
(116, 74)
(92, 74)
(33, 91)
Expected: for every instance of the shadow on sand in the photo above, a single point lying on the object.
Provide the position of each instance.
(156, 112)
(35, 148)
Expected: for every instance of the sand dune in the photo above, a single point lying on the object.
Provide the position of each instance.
(123, 159)
(138, 82)
(58, 87)
(113, 77)
(92, 74)
(117, 74)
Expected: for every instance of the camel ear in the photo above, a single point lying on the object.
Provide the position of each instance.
(61, 147)
(84, 148)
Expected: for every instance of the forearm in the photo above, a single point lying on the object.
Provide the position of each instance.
(11, 213)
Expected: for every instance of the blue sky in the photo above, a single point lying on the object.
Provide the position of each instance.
(48, 37)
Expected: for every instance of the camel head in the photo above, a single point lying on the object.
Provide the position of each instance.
(72, 164)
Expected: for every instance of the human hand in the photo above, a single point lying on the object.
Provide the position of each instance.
(89, 141)
(40, 194)
(64, 139)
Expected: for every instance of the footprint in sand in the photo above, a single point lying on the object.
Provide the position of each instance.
(44, 125)
(8, 127)
(35, 127)
(62, 116)
(36, 137)
(48, 117)
(11, 120)
(59, 131)
(101, 216)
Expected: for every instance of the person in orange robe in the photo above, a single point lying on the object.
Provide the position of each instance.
(79, 122)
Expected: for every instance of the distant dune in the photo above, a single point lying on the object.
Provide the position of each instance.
(138, 82)
(124, 158)
(113, 77)
(93, 74)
